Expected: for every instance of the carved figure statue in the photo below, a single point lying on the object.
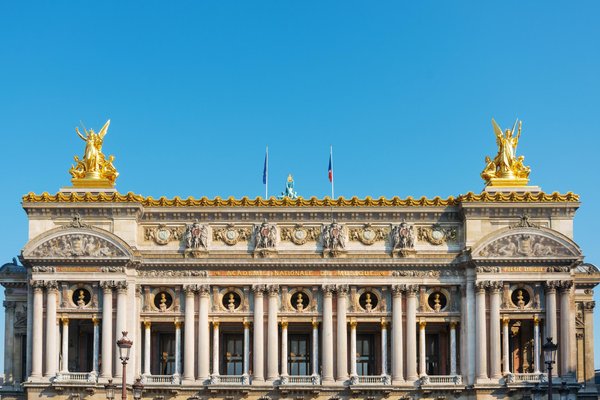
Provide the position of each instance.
(334, 236)
(437, 305)
(196, 236)
(506, 166)
(368, 305)
(520, 301)
(299, 304)
(265, 236)
(403, 237)
(163, 302)
(289, 191)
(94, 165)
(231, 302)
(81, 299)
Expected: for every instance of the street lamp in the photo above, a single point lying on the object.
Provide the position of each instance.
(110, 390)
(124, 345)
(549, 348)
(138, 388)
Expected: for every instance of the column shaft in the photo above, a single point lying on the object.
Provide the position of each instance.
(397, 341)
(411, 335)
(189, 335)
(453, 348)
(551, 329)
(107, 331)
(147, 335)
(495, 356)
(481, 333)
(96, 357)
(422, 348)
(177, 348)
(9, 343)
(565, 337)
(315, 348)
(121, 322)
(588, 315)
(536, 344)
(272, 335)
(259, 326)
(246, 360)
(384, 357)
(51, 332)
(37, 342)
(216, 352)
(284, 348)
(342, 334)
(327, 347)
(64, 368)
(203, 335)
(505, 355)
(353, 372)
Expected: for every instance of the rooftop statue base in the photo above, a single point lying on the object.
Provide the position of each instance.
(99, 183)
(512, 187)
(88, 189)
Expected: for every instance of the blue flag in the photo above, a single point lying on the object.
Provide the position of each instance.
(266, 167)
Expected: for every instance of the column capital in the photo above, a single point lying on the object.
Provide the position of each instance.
(422, 324)
(342, 290)
(384, 323)
(37, 285)
(190, 290)
(247, 324)
(453, 324)
(397, 290)
(95, 320)
(259, 290)
(412, 290)
(496, 286)
(177, 324)
(505, 320)
(551, 286)
(273, 290)
(284, 323)
(328, 290)
(121, 286)
(588, 306)
(481, 286)
(64, 320)
(147, 324)
(51, 286)
(353, 323)
(107, 286)
(204, 290)
(216, 323)
(536, 320)
(315, 323)
(565, 286)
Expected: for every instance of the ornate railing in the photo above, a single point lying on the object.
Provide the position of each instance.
(370, 380)
(76, 377)
(441, 380)
(301, 380)
(162, 379)
(529, 377)
(229, 380)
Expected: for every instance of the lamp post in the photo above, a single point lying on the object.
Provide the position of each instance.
(138, 388)
(110, 390)
(549, 348)
(124, 345)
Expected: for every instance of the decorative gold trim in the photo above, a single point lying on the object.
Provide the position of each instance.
(498, 197)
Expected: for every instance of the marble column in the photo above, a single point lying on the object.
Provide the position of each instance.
(481, 332)
(565, 334)
(469, 350)
(246, 360)
(107, 330)
(96, 349)
(397, 340)
(422, 349)
(189, 334)
(315, 348)
(121, 320)
(342, 334)
(64, 368)
(9, 343)
(588, 317)
(38, 329)
(327, 347)
(505, 355)
(551, 328)
(284, 349)
(384, 347)
(536, 344)
(411, 333)
(259, 338)
(51, 329)
(177, 348)
(272, 334)
(495, 356)
(147, 335)
(215, 349)
(453, 348)
(353, 372)
(203, 334)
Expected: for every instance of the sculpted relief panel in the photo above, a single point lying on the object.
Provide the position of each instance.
(77, 245)
(525, 245)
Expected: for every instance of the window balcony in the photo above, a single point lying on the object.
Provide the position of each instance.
(301, 380)
(82, 377)
(524, 378)
(439, 380)
(161, 379)
(370, 380)
(229, 380)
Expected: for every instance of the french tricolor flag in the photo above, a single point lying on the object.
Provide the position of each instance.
(330, 170)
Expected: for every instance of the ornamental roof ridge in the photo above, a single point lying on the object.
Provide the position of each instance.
(470, 197)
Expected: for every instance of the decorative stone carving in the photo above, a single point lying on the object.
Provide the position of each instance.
(51, 285)
(481, 286)
(230, 235)
(273, 290)
(195, 239)
(425, 274)
(412, 290)
(492, 270)
(524, 223)
(588, 306)
(368, 234)
(334, 239)
(43, 269)
(154, 273)
(300, 234)
(403, 239)
(525, 245)
(113, 269)
(397, 290)
(163, 234)
(265, 239)
(259, 289)
(77, 245)
(328, 290)
(437, 234)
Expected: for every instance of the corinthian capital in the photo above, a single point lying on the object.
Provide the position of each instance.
(328, 290)
(273, 290)
(258, 289)
(412, 290)
(496, 286)
(397, 290)
(121, 286)
(551, 286)
(481, 286)
(203, 290)
(342, 290)
(51, 286)
(565, 286)
(190, 290)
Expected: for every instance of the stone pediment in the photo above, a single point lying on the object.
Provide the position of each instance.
(526, 242)
(77, 243)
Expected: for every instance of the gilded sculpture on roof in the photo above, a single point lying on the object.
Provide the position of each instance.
(506, 169)
(94, 170)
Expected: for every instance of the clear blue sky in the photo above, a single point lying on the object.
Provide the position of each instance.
(404, 91)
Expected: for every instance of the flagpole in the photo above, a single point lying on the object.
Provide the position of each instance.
(267, 173)
(332, 175)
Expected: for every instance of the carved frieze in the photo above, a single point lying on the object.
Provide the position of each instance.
(437, 234)
(77, 245)
(154, 273)
(300, 234)
(425, 274)
(163, 234)
(230, 235)
(368, 234)
(525, 245)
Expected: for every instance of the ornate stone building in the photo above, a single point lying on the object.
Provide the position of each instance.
(299, 298)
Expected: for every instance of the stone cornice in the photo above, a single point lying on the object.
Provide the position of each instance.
(117, 198)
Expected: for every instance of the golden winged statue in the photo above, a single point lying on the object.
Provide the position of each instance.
(506, 169)
(94, 170)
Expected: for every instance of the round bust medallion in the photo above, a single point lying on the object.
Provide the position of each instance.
(437, 234)
(163, 235)
(300, 234)
(520, 297)
(163, 301)
(368, 301)
(437, 301)
(81, 297)
(300, 300)
(231, 301)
